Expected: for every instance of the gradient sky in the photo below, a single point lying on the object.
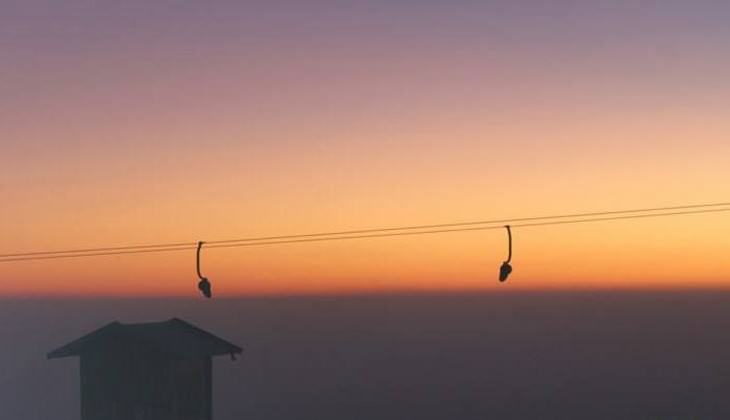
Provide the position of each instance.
(151, 122)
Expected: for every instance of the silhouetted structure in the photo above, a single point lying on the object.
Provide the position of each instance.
(150, 371)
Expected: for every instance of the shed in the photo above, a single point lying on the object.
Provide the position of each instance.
(147, 371)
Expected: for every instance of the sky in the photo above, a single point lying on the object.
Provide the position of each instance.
(136, 122)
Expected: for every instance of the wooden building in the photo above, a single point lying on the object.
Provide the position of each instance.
(150, 371)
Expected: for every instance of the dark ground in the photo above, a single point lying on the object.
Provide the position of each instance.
(513, 356)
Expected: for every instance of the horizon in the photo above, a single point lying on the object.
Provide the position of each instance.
(398, 293)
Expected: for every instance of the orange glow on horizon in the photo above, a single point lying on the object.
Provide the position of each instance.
(621, 255)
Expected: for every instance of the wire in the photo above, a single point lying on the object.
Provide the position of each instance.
(188, 245)
(278, 240)
(509, 238)
(98, 254)
(426, 232)
(118, 248)
(197, 260)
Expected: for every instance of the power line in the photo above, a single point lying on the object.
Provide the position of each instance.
(483, 222)
(185, 245)
(468, 229)
(374, 233)
(95, 254)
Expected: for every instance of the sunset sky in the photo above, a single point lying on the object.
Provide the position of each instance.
(150, 122)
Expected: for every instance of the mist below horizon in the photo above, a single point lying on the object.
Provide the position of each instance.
(555, 355)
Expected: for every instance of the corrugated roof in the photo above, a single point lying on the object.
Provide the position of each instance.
(174, 336)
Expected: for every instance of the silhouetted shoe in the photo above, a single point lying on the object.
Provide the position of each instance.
(204, 286)
(504, 271)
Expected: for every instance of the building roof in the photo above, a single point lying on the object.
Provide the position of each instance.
(174, 336)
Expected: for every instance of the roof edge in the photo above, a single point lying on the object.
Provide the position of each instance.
(78, 346)
(72, 348)
(236, 349)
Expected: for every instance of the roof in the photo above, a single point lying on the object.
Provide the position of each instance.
(174, 336)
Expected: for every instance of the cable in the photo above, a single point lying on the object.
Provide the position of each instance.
(427, 232)
(197, 260)
(81, 251)
(99, 254)
(188, 245)
(509, 241)
(302, 239)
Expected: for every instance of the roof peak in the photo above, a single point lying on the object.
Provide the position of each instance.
(174, 336)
